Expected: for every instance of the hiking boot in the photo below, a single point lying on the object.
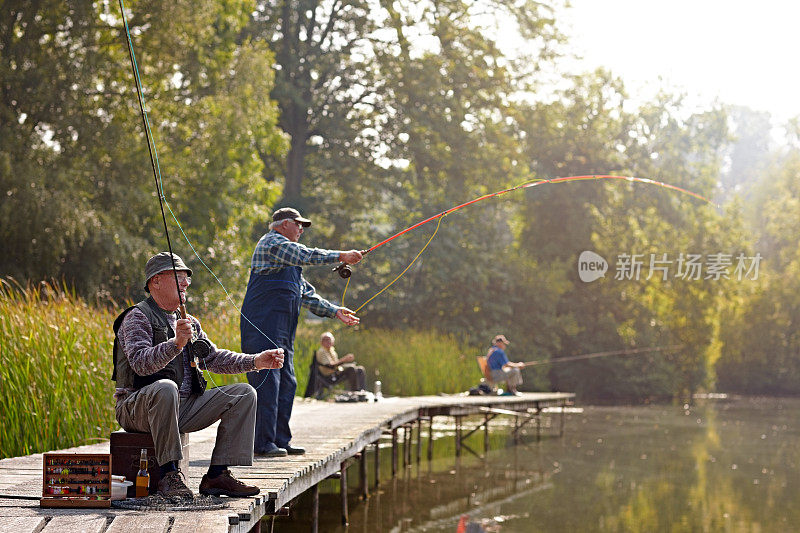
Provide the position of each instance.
(226, 485)
(173, 486)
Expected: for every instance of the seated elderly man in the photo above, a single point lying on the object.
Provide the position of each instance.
(161, 391)
(502, 369)
(344, 367)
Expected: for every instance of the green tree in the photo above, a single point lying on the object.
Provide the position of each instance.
(759, 335)
(322, 55)
(73, 157)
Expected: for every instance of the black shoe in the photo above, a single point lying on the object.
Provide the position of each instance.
(294, 450)
(274, 452)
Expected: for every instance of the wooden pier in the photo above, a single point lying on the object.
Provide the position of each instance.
(335, 436)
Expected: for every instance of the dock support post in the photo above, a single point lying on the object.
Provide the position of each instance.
(408, 434)
(314, 508)
(405, 445)
(516, 429)
(486, 433)
(430, 439)
(538, 422)
(362, 474)
(377, 462)
(419, 439)
(343, 491)
(394, 452)
(458, 436)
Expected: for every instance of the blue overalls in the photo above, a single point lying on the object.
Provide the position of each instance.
(272, 303)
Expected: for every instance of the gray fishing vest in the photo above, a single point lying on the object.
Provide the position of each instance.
(125, 376)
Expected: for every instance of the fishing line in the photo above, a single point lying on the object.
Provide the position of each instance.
(347, 283)
(581, 357)
(404, 270)
(162, 200)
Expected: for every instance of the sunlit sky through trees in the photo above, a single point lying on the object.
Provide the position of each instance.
(739, 52)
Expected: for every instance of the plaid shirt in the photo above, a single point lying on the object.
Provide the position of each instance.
(274, 251)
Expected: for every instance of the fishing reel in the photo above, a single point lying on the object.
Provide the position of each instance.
(343, 270)
(199, 348)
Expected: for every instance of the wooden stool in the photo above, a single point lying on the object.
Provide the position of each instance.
(126, 449)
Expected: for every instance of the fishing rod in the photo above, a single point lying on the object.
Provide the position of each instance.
(345, 271)
(602, 354)
(199, 348)
(153, 155)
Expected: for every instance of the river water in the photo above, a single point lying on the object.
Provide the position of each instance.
(720, 465)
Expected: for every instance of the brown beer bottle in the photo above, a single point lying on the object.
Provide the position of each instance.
(142, 477)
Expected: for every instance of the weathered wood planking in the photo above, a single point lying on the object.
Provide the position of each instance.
(76, 524)
(140, 522)
(208, 522)
(22, 524)
(331, 433)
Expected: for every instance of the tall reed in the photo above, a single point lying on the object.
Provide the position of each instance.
(407, 362)
(55, 367)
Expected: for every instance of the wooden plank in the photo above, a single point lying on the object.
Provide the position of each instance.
(22, 524)
(76, 524)
(207, 522)
(141, 523)
(495, 410)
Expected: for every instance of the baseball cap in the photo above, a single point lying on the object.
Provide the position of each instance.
(289, 213)
(500, 338)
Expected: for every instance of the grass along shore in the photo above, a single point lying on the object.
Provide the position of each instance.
(56, 360)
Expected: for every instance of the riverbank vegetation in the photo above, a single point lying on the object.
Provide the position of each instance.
(370, 117)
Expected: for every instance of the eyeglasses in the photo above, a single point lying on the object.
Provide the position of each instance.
(182, 278)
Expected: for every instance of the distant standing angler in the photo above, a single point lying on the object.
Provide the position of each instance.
(270, 311)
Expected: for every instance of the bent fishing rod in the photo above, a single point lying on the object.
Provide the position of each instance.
(594, 355)
(345, 271)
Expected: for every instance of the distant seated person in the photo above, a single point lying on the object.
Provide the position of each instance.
(501, 368)
(330, 364)
(160, 389)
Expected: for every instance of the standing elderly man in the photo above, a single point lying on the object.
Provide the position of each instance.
(270, 311)
(161, 391)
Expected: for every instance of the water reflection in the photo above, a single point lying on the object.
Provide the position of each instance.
(718, 466)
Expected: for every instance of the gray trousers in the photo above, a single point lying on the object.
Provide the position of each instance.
(157, 409)
(510, 375)
(355, 374)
